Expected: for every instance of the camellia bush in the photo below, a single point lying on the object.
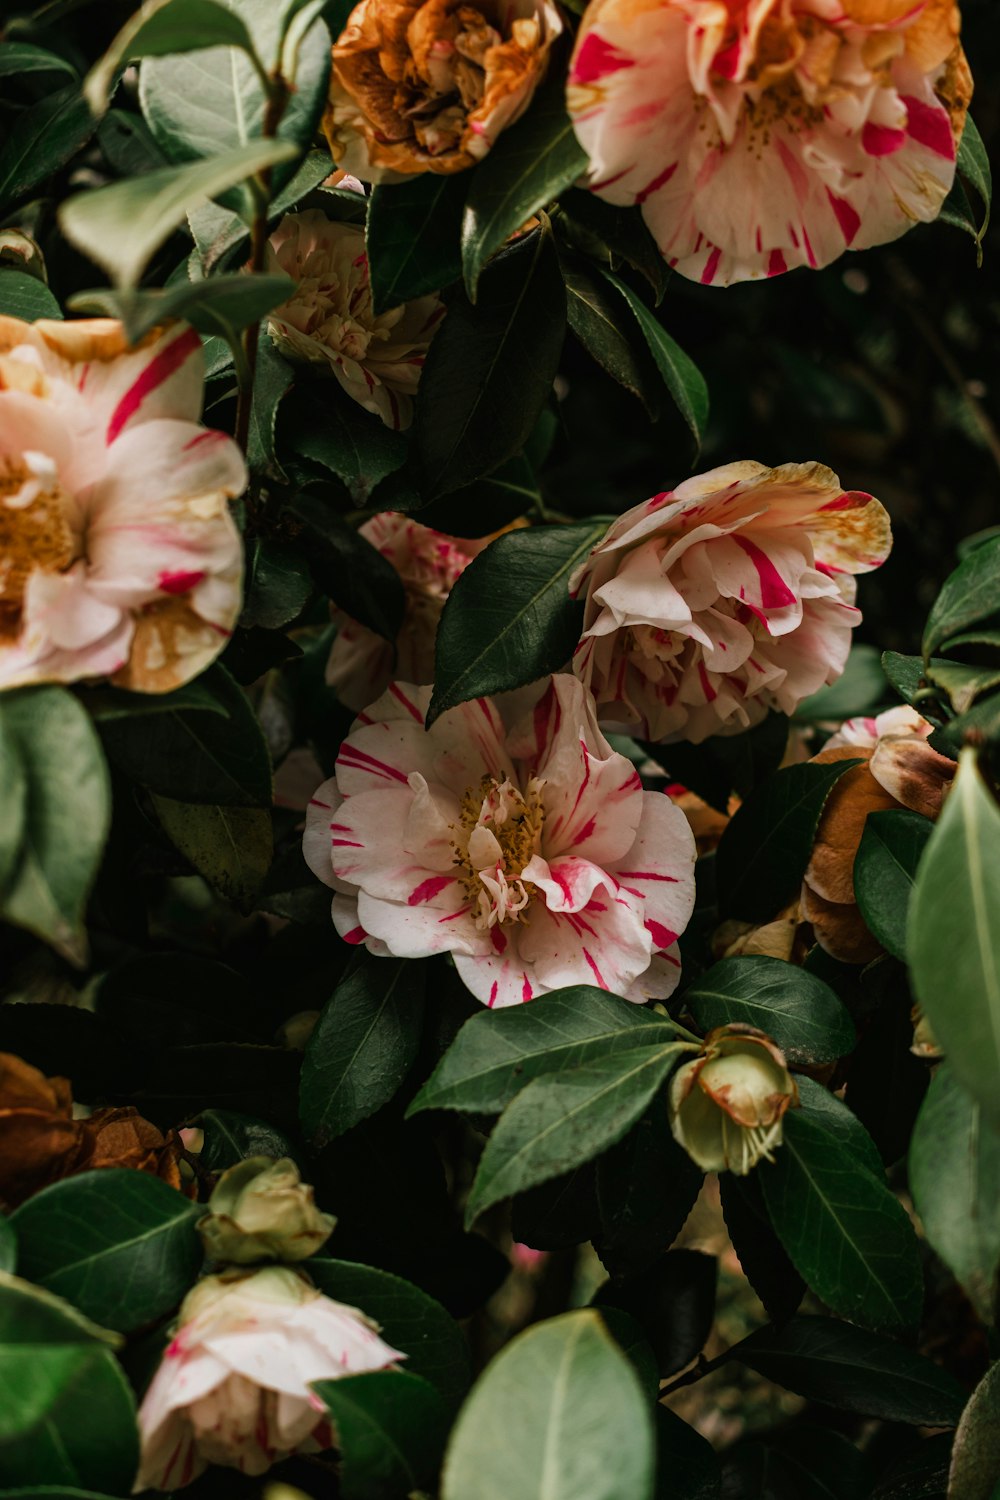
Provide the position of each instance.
(500, 984)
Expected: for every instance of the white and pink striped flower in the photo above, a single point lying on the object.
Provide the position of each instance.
(760, 135)
(733, 594)
(118, 555)
(530, 853)
(330, 323)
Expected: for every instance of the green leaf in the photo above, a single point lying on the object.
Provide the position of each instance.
(21, 58)
(214, 758)
(128, 145)
(119, 1244)
(834, 1116)
(594, 315)
(362, 1046)
(24, 296)
(724, 764)
(273, 377)
(230, 846)
(953, 941)
(497, 1053)
(412, 235)
(758, 1249)
(681, 375)
(410, 1321)
(529, 165)
(223, 304)
(327, 428)
(509, 618)
(794, 1008)
(487, 505)
(391, 1428)
(844, 1231)
(605, 231)
(559, 1414)
(885, 868)
(969, 597)
(646, 1187)
(107, 703)
(852, 1370)
(763, 853)
(859, 690)
(67, 814)
(960, 682)
(975, 1456)
(348, 568)
(67, 1415)
(490, 367)
(906, 674)
(278, 585)
(974, 165)
(954, 1165)
(8, 1245)
(232, 1137)
(686, 1465)
(559, 1121)
(41, 140)
(121, 227)
(14, 801)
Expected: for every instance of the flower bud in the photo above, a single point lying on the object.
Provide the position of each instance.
(261, 1210)
(925, 1044)
(726, 1105)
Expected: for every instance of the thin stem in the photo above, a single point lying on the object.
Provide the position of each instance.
(698, 1371)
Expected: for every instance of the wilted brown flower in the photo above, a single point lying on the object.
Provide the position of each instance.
(116, 1137)
(428, 85)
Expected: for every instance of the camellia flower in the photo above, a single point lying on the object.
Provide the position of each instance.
(233, 1386)
(362, 663)
(118, 555)
(900, 770)
(428, 85)
(329, 322)
(260, 1209)
(730, 595)
(531, 854)
(726, 1106)
(759, 135)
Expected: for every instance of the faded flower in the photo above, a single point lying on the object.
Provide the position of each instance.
(118, 555)
(759, 136)
(428, 85)
(727, 1105)
(260, 1209)
(329, 322)
(730, 595)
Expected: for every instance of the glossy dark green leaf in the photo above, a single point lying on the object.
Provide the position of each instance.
(680, 374)
(509, 618)
(497, 1053)
(42, 139)
(391, 1427)
(852, 1370)
(795, 1009)
(685, 1463)
(833, 1115)
(954, 1164)
(128, 145)
(763, 853)
(490, 367)
(362, 1046)
(106, 703)
(118, 1244)
(559, 1121)
(24, 296)
(349, 569)
(224, 302)
(232, 1137)
(884, 871)
(845, 1232)
(278, 584)
(969, 597)
(961, 683)
(410, 1320)
(906, 674)
(646, 1187)
(582, 1421)
(953, 940)
(974, 169)
(886, 1083)
(672, 1302)
(20, 58)
(8, 1245)
(230, 846)
(273, 377)
(487, 505)
(975, 1456)
(529, 165)
(327, 429)
(603, 230)
(594, 315)
(920, 1474)
(760, 1253)
(413, 237)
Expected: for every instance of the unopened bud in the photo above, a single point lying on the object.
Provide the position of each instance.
(726, 1106)
(261, 1210)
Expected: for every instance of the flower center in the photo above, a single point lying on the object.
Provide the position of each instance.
(35, 532)
(499, 833)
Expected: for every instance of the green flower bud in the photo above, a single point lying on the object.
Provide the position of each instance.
(726, 1105)
(261, 1210)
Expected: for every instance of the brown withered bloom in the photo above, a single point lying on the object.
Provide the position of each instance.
(121, 1137)
(900, 770)
(428, 85)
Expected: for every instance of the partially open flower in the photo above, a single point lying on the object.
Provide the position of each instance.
(329, 322)
(900, 770)
(758, 135)
(261, 1210)
(726, 1106)
(428, 85)
(118, 555)
(233, 1386)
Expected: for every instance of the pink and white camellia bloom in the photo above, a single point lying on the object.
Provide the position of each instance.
(361, 663)
(118, 554)
(530, 853)
(760, 135)
(733, 594)
(234, 1384)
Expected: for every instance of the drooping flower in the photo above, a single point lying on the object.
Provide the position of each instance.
(530, 853)
(362, 663)
(233, 1386)
(730, 595)
(428, 85)
(900, 770)
(329, 322)
(760, 135)
(260, 1209)
(118, 555)
(727, 1105)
